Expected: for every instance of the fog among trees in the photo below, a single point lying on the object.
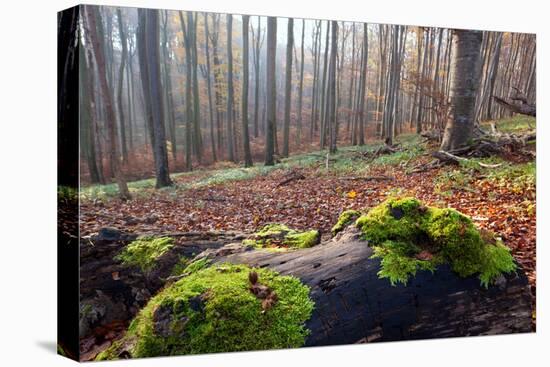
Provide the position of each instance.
(167, 91)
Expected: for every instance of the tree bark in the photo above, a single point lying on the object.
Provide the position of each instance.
(244, 97)
(300, 89)
(466, 68)
(288, 86)
(152, 55)
(271, 90)
(230, 90)
(332, 114)
(96, 36)
(209, 86)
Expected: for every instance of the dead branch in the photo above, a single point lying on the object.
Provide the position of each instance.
(521, 108)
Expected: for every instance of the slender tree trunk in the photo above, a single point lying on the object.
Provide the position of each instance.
(315, 87)
(120, 88)
(244, 97)
(152, 57)
(87, 133)
(171, 118)
(209, 87)
(230, 90)
(218, 78)
(351, 80)
(271, 90)
(96, 37)
(360, 126)
(322, 140)
(332, 114)
(197, 135)
(189, 115)
(288, 86)
(257, 43)
(466, 68)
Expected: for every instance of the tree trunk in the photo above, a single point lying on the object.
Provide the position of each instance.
(244, 97)
(209, 87)
(189, 115)
(120, 89)
(152, 55)
(332, 87)
(465, 67)
(197, 135)
(300, 89)
(271, 90)
(230, 90)
(171, 118)
(96, 37)
(288, 86)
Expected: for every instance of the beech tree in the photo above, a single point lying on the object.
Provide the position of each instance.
(95, 29)
(271, 90)
(288, 85)
(244, 98)
(466, 67)
(149, 53)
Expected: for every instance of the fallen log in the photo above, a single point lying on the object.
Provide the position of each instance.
(352, 304)
(523, 107)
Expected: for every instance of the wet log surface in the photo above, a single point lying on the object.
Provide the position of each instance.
(353, 305)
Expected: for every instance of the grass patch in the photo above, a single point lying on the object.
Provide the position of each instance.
(515, 124)
(214, 310)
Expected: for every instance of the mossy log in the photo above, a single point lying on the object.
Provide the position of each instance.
(352, 304)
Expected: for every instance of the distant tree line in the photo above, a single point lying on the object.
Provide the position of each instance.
(173, 90)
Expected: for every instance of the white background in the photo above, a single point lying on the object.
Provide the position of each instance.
(28, 182)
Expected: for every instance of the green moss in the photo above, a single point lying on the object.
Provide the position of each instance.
(144, 252)
(346, 218)
(213, 310)
(277, 235)
(409, 236)
(196, 265)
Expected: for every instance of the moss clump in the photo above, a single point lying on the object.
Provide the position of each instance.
(345, 219)
(276, 236)
(144, 252)
(408, 236)
(214, 310)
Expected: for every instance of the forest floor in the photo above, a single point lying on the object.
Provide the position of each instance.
(501, 199)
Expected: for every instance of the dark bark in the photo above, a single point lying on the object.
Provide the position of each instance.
(152, 56)
(352, 304)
